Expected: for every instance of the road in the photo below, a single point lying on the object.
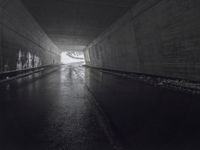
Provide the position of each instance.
(77, 108)
(50, 111)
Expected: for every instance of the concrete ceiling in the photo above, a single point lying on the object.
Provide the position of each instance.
(72, 24)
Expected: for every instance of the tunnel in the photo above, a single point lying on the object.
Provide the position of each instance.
(99, 74)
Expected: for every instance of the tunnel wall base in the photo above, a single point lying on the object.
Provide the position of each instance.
(158, 37)
(23, 43)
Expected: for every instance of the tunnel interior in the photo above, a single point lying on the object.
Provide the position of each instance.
(99, 74)
(73, 24)
(154, 37)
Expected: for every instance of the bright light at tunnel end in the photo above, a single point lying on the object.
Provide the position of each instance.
(70, 57)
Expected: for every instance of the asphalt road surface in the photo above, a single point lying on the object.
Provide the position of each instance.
(77, 108)
(50, 111)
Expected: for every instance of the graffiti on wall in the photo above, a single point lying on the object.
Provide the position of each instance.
(27, 60)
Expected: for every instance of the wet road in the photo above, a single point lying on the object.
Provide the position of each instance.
(76, 108)
(51, 112)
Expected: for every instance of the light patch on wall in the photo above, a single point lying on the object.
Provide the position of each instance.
(87, 56)
(37, 61)
(19, 62)
(65, 59)
(30, 65)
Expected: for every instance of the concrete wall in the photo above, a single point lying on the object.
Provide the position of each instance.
(159, 37)
(23, 43)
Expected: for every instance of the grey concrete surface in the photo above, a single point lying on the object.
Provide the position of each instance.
(23, 43)
(158, 37)
(72, 24)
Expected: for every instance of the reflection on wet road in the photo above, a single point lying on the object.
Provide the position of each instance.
(52, 112)
(78, 108)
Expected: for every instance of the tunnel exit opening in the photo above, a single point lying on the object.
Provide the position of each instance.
(72, 57)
